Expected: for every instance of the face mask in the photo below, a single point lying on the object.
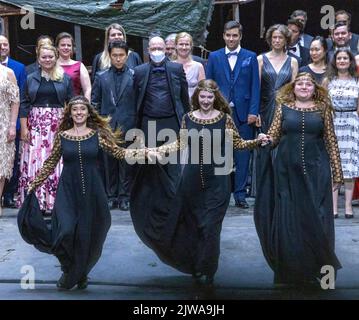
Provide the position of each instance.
(157, 56)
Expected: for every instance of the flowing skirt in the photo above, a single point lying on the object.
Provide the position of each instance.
(43, 124)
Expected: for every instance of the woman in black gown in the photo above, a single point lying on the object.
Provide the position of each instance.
(81, 217)
(183, 226)
(293, 212)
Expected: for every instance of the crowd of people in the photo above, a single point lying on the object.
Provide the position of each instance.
(288, 118)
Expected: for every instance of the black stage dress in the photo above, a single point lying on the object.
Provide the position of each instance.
(81, 217)
(294, 209)
(182, 225)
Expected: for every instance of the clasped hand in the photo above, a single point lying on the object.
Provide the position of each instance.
(264, 139)
(152, 154)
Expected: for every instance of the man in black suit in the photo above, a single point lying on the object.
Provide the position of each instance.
(341, 36)
(113, 95)
(304, 38)
(161, 99)
(161, 90)
(345, 17)
(295, 49)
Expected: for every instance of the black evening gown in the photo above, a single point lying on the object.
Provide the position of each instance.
(294, 210)
(80, 218)
(183, 225)
(271, 82)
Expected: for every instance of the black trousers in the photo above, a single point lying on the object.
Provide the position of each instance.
(117, 178)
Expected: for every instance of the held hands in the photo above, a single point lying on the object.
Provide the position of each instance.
(25, 135)
(264, 139)
(152, 154)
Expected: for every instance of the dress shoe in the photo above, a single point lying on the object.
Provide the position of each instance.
(349, 216)
(124, 205)
(242, 204)
(82, 284)
(336, 216)
(9, 203)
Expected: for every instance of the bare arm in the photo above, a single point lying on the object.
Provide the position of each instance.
(295, 67)
(13, 94)
(85, 82)
(260, 65)
(201, 74)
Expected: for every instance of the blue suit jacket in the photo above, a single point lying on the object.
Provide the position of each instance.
(246, 92)
(20, 74)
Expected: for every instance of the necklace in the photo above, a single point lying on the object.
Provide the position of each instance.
(45, 75)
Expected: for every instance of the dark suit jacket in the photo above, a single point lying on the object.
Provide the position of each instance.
(304, 58)
(133, 60)
(177, 83)
(20, 74)
(32, 67)
(63, 90)
(121, 105)
(246, 81)
(354, 41)
(307, 40)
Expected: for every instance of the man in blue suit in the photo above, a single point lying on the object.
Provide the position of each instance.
(236, 72)
(20, 74)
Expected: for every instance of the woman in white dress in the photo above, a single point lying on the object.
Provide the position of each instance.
(9, 108)
(343, 86)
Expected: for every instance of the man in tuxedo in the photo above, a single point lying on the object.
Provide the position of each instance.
(236, 72)
(295, 50)
(304, 39)
(345, 17)
(20, 74)
(341, 36)
(113, 95)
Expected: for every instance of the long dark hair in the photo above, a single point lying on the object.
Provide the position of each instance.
(94, 121)
(220, 103)
(332, 70)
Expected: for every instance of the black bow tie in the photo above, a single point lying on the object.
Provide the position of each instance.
(293, 49)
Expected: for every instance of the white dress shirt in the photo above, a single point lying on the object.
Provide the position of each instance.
(232, 59)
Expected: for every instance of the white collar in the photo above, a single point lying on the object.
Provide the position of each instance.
(226, 50)
(6, 61)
